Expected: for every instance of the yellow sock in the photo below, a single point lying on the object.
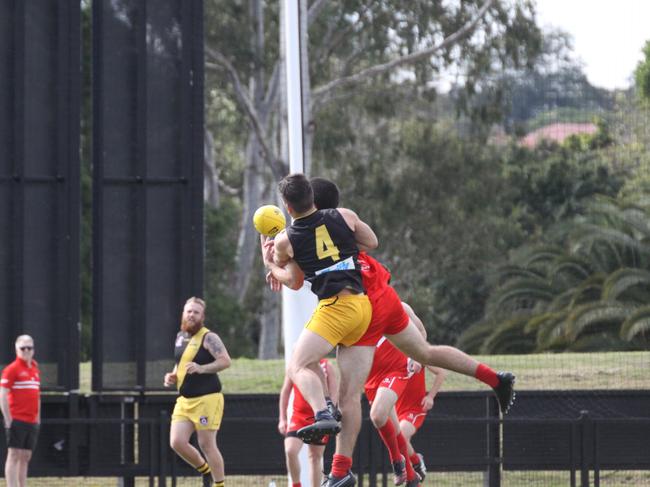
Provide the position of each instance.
(203, 469)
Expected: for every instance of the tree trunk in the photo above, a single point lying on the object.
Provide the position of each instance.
(211, 179)
(269, 325)
(253, 186)
(248, 241)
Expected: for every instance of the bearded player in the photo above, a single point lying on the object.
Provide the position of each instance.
(200, 355)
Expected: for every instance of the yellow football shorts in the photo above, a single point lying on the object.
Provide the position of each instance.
(341, 319)
(204, 411)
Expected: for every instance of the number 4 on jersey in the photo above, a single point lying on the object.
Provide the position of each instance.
(324, 245)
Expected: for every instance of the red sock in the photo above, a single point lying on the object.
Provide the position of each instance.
(487, 375)
(389, 437)
(297, 484)
(415, 459)
(403, 448)
(341, 465)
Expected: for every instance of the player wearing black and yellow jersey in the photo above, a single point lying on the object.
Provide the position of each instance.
(324, 245)
(200, 355)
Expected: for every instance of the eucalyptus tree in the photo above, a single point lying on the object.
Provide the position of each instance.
(353, 46)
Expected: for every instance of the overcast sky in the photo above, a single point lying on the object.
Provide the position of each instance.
(608, 35)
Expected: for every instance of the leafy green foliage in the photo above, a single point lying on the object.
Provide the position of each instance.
(590, 296)
(642, 74)
(232, 320)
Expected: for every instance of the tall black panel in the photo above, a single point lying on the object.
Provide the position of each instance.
(39, 183)
(148, 184)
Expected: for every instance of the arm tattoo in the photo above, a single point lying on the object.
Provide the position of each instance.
(214, 344)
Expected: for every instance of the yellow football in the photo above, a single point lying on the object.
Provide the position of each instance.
(269, 220)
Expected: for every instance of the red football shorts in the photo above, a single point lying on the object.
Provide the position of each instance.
(395, 383)
(297, 421)
(388, 316)
(413, 416)
(409, 406)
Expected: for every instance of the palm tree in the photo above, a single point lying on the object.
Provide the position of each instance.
(587, 290)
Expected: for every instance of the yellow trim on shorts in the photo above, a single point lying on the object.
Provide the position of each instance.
(205, 412)
(341, 320)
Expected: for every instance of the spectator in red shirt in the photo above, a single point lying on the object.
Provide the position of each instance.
(20, 401)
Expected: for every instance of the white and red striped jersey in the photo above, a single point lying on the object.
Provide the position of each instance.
(24, 384)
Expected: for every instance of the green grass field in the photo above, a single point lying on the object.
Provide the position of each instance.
(534, 372)
(562, 371)
(437, 479)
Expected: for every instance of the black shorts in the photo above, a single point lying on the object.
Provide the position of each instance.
(322, 441)
(22, 435)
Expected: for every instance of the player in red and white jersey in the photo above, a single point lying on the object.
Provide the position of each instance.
(387, 320)
(386, 382)
(20, 401)
(412, 407)
(295, 413)
(400, 328)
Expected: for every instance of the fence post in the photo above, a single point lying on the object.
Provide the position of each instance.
(73, 435)
(584, 421)
(595, 453)
(368, 439)
(127, 431)
(492, 477)
(163, 448)
(572, 458)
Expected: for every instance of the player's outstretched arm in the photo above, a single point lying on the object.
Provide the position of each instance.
(363, 234)
(332, 383)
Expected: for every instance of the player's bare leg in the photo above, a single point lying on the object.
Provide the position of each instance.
(413, 344)
(354, 364)
(208, 443)
(408, 430)
(309, 349)
(382, 406)
(25, 457)
(385, 422)
(12, 467)
(179, 440)
(315, 455)
(292, 447)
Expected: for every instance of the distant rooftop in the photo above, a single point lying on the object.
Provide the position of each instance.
(557, 132)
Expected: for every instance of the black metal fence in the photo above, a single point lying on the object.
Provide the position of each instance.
(127, 436)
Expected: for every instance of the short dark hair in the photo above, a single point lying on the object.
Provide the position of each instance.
(326, 193)
(296, 192)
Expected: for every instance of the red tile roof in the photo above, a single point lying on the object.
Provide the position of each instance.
(557, 132)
